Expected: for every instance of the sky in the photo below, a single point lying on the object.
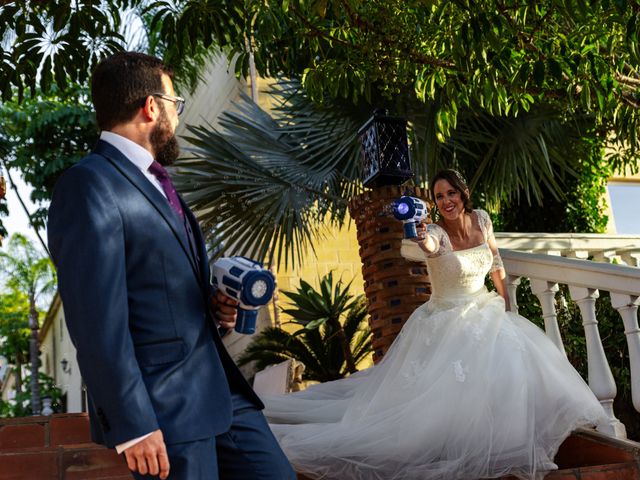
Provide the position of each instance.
(17, 220)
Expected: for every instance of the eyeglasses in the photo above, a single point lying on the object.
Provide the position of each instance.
(178, 101)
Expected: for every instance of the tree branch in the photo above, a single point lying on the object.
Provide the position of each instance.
(625, 79)
(417, 56)
(26, 210)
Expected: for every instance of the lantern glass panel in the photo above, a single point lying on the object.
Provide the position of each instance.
(385, 151)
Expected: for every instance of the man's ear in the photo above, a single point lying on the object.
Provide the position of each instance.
(150, 108)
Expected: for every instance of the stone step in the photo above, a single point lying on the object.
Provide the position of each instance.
(59, 448)
(589, 455)
(66, 462)
(41, 432)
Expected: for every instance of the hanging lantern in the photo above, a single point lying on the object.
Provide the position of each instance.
(385, 150)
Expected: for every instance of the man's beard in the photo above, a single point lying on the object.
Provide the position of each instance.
(164, 142)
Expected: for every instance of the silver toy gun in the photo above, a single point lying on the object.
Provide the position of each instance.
(247, 282)
(411, 211)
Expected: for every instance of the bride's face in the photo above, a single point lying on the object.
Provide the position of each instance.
(448, 200)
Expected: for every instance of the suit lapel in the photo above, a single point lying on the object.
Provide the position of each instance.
(157, 200)
(202, 254)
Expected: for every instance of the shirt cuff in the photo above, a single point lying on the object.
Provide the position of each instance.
(123, 446)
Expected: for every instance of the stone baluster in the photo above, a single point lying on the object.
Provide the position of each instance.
(601, 380)
(579, 254)
(546, 293)
(627, 307)
(512, 282)
(607, 256)
(631, 258)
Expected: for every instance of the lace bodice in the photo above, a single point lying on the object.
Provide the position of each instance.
(435, 230)
(459, 273)
(462, 272)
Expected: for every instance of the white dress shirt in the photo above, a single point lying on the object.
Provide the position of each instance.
(139, 156)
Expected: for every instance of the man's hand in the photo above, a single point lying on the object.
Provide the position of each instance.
(149, 456)
(224, 310)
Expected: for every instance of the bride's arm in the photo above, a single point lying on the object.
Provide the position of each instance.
(498, 273)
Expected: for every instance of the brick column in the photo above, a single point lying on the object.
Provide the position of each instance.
(394, 287)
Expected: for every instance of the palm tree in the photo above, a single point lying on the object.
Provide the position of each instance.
(265, 185)
(14, 331)
(332, 339)
(31, 272)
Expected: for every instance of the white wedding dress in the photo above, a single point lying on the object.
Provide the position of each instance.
(466, 391)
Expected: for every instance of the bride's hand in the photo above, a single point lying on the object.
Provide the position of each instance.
(421, 231)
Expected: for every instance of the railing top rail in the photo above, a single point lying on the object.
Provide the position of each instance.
(612, 236)
(581, 273)
(568, 241)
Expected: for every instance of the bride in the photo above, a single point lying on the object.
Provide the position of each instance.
(466, 391)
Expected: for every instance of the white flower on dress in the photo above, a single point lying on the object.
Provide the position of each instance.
(477, 331)
(459, 371)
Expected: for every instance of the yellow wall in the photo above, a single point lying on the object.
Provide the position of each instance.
(626, 177)
(338, 252)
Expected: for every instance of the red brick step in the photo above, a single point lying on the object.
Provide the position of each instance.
(59, 448)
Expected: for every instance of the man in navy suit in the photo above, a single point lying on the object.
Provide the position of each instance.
(134, 280)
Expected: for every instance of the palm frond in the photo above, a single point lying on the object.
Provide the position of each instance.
(506, 157)
(260, 187)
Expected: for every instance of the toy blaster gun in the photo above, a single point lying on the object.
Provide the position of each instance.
(410, 210)
(249, 283)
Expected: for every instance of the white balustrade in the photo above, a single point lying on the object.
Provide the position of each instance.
(627, 306)
(585, 279)
(601, 379)
(546, 293)
(512, 287)
(601, 247)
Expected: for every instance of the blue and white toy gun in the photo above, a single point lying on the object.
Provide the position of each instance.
(410, 210)
(247, 282)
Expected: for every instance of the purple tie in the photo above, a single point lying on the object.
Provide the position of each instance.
(162, 175)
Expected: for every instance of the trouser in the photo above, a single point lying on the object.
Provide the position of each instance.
(247, 451)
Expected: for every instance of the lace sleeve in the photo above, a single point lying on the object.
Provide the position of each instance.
(486, 226)
(497, 262)
(443, 239)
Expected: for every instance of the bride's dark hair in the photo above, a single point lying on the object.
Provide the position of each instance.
(457, 181)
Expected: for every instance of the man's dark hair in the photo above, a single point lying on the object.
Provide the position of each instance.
(457, 181)
(121, 83)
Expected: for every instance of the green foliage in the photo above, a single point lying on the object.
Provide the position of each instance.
(580, 209)
(312, 308)
(47, 43)
(499, 56)
(27, 271)
(502, 90)
(44, 135)
(502, 57)
(14, 327)
(317, 343)
(21, 404)
(507, 159)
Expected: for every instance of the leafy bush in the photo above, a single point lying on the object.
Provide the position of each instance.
(20, 406)
(332, 325)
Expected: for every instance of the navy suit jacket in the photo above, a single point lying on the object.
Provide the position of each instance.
(137, 306)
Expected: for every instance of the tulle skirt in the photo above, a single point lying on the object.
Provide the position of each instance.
(467, 391)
